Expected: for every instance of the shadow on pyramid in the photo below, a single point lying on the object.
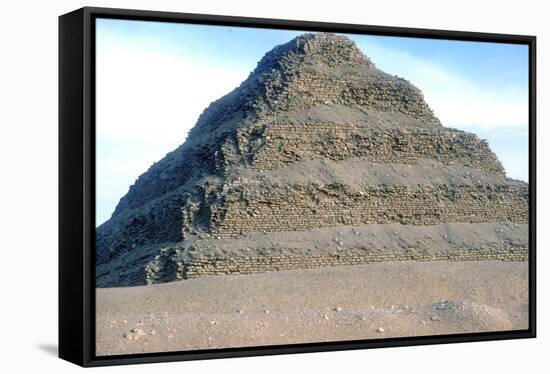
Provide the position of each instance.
(317, 159)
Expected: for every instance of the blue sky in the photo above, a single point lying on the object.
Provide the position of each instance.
(161, 76)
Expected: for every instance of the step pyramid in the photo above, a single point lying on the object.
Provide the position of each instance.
(317, 159)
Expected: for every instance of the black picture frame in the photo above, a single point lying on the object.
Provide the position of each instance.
(77, 184)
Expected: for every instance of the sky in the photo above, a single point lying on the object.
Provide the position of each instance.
(153, 80)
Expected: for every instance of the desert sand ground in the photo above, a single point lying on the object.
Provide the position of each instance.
(315, 305)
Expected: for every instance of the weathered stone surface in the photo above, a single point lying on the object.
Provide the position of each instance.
(315, 138)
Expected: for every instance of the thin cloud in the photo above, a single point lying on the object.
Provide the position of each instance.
(459, 101)
(147, 101)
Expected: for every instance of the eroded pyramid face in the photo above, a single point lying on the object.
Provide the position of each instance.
(318, 158)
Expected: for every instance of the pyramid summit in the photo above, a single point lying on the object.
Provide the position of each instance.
(313, 70)
(318, 158)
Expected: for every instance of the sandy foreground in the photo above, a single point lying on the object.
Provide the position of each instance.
(314, 305)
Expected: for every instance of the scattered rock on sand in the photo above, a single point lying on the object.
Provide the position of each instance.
(380, 330)
(475, 313)
(502, 294)
(135, 334)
